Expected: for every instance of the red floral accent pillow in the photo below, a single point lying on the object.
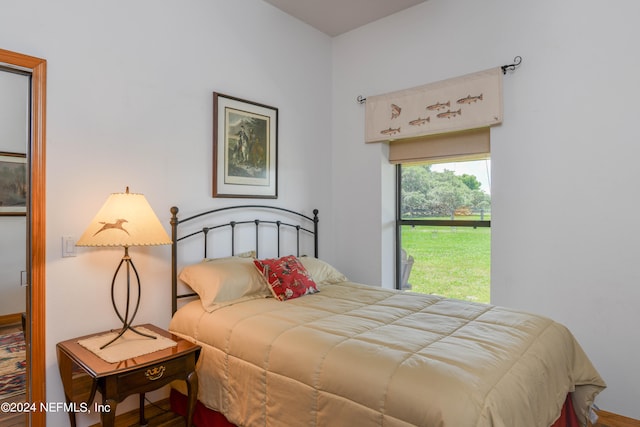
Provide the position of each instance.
(287, 277)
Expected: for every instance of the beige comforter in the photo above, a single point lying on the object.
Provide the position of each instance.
(358, 355)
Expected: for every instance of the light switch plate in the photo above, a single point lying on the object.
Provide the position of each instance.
(68, 246)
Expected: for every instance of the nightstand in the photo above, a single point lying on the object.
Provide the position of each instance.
(83, 373)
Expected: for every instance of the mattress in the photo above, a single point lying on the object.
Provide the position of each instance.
(353, 354)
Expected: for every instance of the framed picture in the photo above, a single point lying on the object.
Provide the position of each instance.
(245, 148)
(13, 184)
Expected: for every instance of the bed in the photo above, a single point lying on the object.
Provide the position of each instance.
(288, 340)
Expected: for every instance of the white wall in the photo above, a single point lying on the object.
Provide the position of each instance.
(564, 162)
(13, 294)
(130, 104)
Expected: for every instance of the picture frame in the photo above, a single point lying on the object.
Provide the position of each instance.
(245, 148)
(13, 184)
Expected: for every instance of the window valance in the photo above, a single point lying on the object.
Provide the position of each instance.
(468, 102)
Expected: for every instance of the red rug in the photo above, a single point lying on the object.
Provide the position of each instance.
(12, 365)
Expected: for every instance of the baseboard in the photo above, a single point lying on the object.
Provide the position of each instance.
(10, 319)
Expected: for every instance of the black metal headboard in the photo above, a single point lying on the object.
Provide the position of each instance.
(287, 219)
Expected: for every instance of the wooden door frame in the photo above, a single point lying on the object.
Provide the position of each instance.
(36, 375)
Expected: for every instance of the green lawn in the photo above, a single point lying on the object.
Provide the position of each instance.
(450, 261)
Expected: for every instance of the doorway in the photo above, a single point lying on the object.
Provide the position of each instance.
(33, 212)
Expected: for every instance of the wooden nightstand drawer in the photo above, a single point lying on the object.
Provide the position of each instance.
(156, 375)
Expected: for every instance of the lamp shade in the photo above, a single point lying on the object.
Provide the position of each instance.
(126, 219)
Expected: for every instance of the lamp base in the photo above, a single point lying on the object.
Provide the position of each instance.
(124, 329)
(126, 320)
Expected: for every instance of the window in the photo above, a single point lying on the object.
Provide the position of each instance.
(443, 228)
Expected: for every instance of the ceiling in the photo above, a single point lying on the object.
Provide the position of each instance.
(334, 17)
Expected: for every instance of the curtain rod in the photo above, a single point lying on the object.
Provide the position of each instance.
(516, 63)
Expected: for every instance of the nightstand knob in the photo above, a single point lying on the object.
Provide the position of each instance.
(153, 374)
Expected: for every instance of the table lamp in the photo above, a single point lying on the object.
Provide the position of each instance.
(126, 219)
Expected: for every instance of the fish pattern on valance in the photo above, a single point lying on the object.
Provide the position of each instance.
(467, 102)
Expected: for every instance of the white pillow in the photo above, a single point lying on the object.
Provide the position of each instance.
(322, 272)
(223, 279)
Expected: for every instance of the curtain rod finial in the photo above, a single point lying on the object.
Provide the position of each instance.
(360, 99)
(516, 62)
